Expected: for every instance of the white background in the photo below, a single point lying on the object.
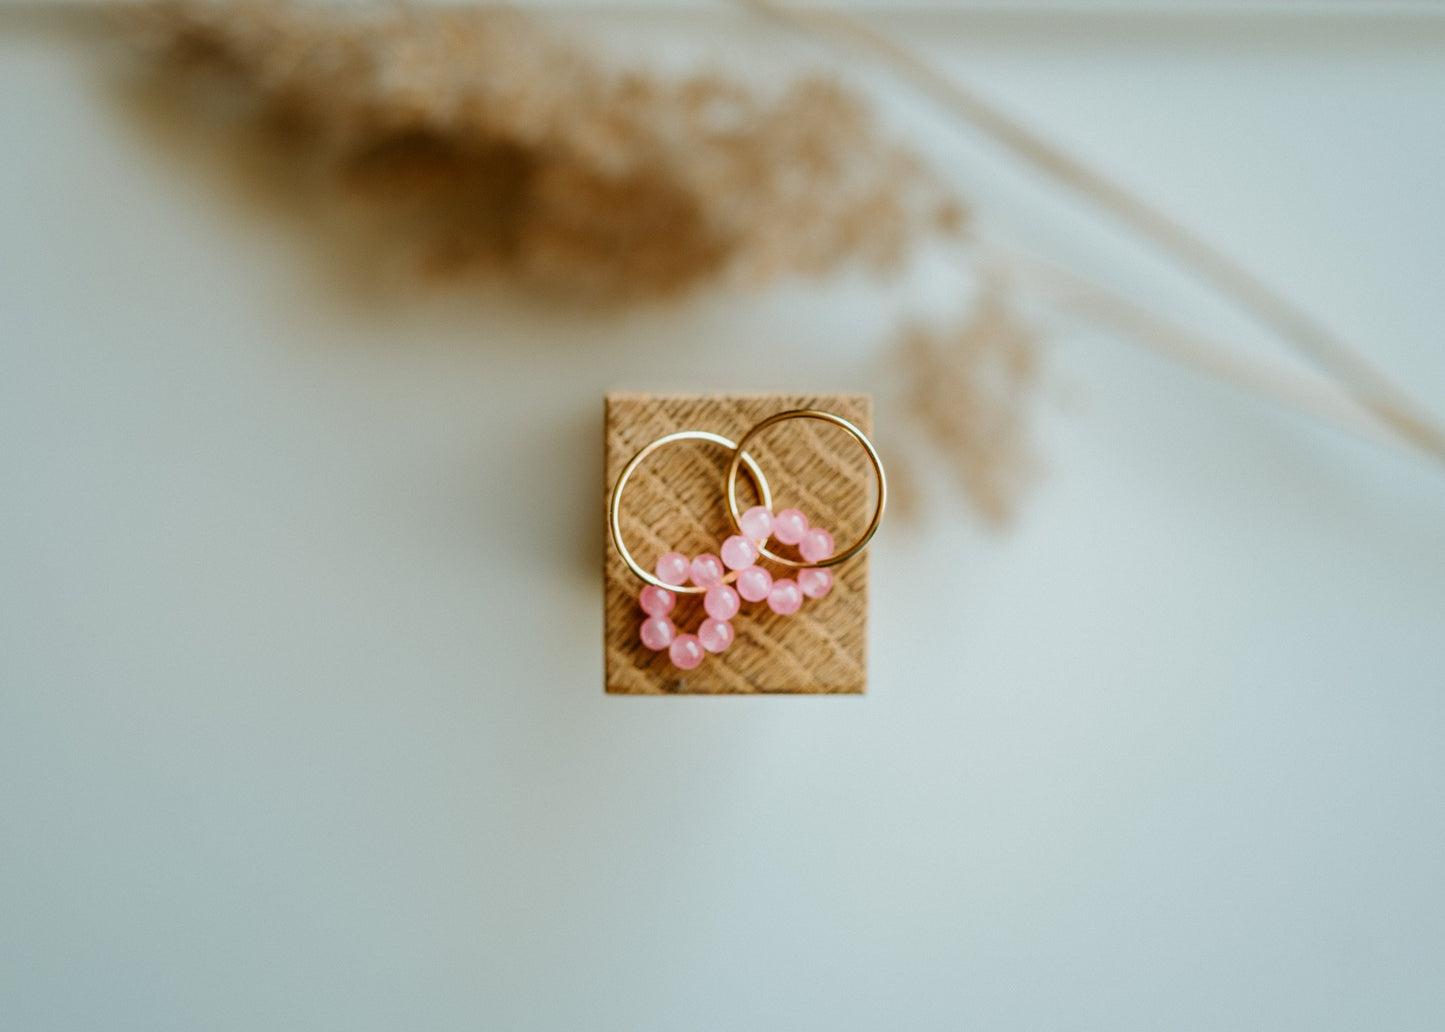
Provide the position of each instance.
(301, 720)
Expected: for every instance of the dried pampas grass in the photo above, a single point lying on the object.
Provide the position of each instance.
(479, 144)
(484, 145)
(969, 387)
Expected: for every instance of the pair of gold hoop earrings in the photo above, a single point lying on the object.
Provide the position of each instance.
(733, 575)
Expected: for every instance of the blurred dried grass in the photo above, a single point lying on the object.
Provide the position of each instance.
(473, 142)
(484, 145)
(969, 389)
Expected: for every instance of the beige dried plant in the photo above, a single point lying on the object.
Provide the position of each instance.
(481, 144)
(970, 388)
(487, 145)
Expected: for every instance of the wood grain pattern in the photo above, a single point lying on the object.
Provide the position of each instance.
(675, 501)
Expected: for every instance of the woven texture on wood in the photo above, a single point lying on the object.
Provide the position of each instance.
(676, 501)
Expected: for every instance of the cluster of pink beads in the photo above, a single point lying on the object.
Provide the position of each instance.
(755, 584)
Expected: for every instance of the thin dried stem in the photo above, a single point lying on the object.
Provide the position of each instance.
(1091, 300)
(1356, 375)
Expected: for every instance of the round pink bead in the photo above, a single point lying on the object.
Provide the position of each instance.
(815, 583)
(721, 602)
(789, 526)
(715, 635)
(817, 545)
(658, 633)
(657, 601)
(686, 651)
(754, 583)
(738, 553)
(786, 598)
(673, 568)
(756, 524)
(707, 570)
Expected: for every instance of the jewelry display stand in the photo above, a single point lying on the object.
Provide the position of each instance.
(676, 501)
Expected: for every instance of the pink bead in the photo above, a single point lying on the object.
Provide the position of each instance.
(707, 570)
(658, 633)
(815, 583)
(738, 553)
(657, 601)
(756, 524)
(786, 598)
(789, 526)
(754, 583)
(715, 635)
(673, 568)
(721, 602)
(817, 545)
(686, 651)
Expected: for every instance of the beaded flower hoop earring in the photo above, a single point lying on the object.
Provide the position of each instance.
(792, 527)
(712, 576)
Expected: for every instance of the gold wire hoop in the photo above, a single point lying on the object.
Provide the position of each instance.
(614, 505)
(740, 457)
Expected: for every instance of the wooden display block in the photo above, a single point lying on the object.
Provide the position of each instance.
(676, 501)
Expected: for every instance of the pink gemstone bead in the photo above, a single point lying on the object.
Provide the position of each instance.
(707, 570)
(738, 553)
(673, 568)
(754, 583)
(715, 635)
(721, 602)
(686, 651)
(789, 526)
(786, 598)
(756, 523)
(815, 583)
(817, 545)
(657, 601)
(658, 633)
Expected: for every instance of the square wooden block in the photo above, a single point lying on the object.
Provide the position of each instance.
(676, 501)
